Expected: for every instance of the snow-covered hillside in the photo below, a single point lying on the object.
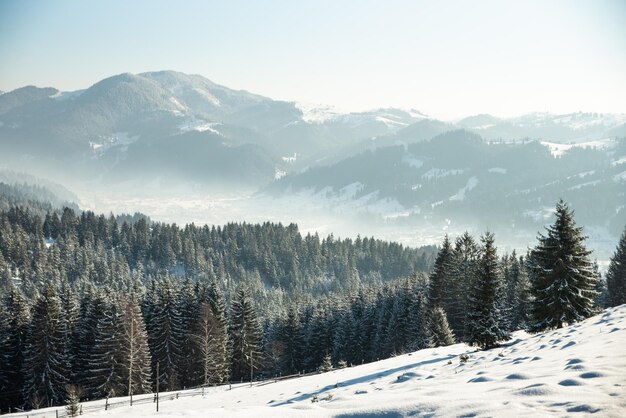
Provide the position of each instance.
(578, 369)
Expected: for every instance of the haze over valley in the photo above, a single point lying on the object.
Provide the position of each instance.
(181, 148)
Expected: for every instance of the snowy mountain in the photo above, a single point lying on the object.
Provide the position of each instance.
(577, 369)
(459, 178)
(168, 131)
(89, 132)
(571, 127)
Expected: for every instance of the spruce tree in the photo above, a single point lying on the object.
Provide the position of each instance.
(165, 335)
(133, 356)
(519, 310)
(246, 337)
(562, 276)
(465, 264)
(46, 365)
(102, 377)
(616, 275)
(204, 339)
(291, 337)
(14, 322)
(223, 348)
(439, 279)
(440, 332)
(486, 324)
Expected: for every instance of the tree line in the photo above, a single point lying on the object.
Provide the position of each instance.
(64, 325)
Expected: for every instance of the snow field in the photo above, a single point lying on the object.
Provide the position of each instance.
(576, 370)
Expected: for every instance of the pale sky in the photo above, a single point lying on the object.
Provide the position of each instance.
(446, 58)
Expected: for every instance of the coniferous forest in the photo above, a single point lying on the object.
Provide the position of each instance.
(94, 306)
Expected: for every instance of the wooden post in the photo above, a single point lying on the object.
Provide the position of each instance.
(251, 368)
(157, 388)
(57, 412)
(106, 403)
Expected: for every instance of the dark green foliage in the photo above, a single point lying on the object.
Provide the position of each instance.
(439, 278)
(46, 364)
(562, 276)
(327, 364)
(290, 336)
(307, 302)
(14, 322)
(166, 336)
(464, 273)
(517, 287)
(486, 322)
(246, 334)
(440, 332)
(616, 275)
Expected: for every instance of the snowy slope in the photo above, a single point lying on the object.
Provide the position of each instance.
(581, 368)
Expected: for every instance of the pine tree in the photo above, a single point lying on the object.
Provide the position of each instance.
(246, 337)
(223, 350)
(439, 279)
(14, 321)
(133, 356)
(165, 336)
(486, 323)
(465, 264)
(92, 308)
(418, 335)
(562, 276)
(519, 310)
(616, 275)
(440, 332)
(205, 340)
(188, 310)
(290, 336)
(46, 364)
(102, 376)
(73, 401)
(327, 364)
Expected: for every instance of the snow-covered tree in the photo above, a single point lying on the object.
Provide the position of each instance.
(616, 275)
(205, 340)
(223, 349)
(246, 337)
(133, 355)
(439, 279)
(14, 321)
(440, 332)
(165, 335)
(486, 323)
(46, 365)
(562, 276)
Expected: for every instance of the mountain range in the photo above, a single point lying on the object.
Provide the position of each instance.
(130, 131)
(187, 128)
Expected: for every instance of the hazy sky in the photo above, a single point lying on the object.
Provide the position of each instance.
(445, 58)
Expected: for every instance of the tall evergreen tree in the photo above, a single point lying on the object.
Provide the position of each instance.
(14, 321)
(616, 275)
(102, 377)
(46, 364)
(246, 337)
(133, 356)
(439, 279)
(223, 347)
(464, 271)
(486, 323)
(562, 276)
(206, 365)
(519, 309)
(440, 332)
(166, 336)
(290, 336)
